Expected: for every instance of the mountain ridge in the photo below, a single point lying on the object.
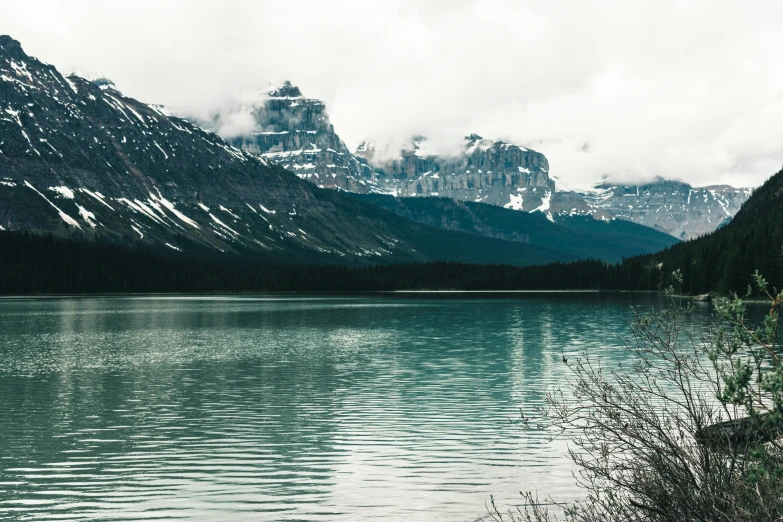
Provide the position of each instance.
(298, 134)
(80, 159)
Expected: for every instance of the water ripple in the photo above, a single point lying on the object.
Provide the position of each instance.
(283, 409)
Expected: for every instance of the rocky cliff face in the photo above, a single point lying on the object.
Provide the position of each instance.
(518, 178)
(296, 133)
(484, 171)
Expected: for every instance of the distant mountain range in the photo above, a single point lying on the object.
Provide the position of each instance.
(295, 131)
(79, 159)
(673, 207)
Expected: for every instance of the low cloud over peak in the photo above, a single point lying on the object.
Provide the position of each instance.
(608, 89)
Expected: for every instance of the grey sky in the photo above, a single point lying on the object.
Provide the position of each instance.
(625, 89)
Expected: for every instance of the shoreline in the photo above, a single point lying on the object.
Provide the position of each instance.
(333, 293)
(368, 293)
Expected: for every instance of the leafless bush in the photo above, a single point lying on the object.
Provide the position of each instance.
(685, 430)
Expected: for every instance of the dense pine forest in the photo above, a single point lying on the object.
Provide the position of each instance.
(724, 260)
(720, 262)
(32, 264)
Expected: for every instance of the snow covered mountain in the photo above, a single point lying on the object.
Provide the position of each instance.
(79, 159)
(674, 207)
(297, 134)
(518, 178)
(483, 171)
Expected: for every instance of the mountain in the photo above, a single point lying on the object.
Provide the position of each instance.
(483, 170)
(79, 159)
(673, 207)
(719, 262)
(518, 178)
(295, 131)
(610, 240)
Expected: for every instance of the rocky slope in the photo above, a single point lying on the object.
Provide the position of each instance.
(79, 159)
(587, 237)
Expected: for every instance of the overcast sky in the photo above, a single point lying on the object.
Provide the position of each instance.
(623, 89)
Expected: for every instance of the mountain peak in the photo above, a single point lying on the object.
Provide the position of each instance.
(10, 45)
(366, 146)
(286, 90)
(104, 83)
(475, 142)
(99, 80)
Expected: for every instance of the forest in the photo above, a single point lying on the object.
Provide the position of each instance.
(721, 262)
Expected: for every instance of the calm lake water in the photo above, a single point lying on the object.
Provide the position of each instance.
(292, 408)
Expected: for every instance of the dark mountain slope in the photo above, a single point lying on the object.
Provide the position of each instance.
(583, 236)
(722, 261)
(79, 159)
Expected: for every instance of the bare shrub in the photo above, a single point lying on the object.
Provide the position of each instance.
(687, 429)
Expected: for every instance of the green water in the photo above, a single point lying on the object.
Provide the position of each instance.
(242, 408)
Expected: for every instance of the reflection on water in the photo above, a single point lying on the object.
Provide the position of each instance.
(284, 408)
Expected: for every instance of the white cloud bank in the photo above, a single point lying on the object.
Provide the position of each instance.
(629, 90)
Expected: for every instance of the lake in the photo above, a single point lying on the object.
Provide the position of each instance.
(391, 408)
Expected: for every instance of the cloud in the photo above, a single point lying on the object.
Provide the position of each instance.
(683, 89)
(236, 114)
(238, 123)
